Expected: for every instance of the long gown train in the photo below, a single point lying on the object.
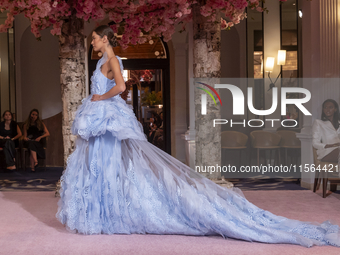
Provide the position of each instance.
(116, 182)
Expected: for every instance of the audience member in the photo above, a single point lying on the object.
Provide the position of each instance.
(152, 130)
(9, 134)
(326, 132)
(34, 130)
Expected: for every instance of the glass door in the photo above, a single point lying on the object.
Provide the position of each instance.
(145, 95)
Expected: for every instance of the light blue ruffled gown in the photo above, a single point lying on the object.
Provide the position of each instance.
(116, 182)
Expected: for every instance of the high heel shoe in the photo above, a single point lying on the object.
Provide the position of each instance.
(35, 167)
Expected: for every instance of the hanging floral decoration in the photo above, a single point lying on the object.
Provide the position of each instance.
(138, 20)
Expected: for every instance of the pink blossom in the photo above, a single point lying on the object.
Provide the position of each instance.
(88, 6)
(142, 40)
(155, 17)
(224, 24)
(178, 14)
(36, 2)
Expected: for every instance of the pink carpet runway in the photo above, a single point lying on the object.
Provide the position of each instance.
(28, 226)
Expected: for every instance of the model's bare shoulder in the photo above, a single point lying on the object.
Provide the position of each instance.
(114, 65)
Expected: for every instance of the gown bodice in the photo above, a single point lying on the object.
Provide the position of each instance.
(112, 114)
(100, 84)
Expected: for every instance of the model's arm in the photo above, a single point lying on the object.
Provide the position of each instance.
(19, 133)
(25, 133)
(120, 84)
(46, 134)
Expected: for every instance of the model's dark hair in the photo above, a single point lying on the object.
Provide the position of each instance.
(38, 122)
(336, 114)
(106, 30)
(3, 115)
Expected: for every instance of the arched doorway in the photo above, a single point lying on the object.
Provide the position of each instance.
(152, 55)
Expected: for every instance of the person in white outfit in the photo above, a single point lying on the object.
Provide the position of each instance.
(326, 132)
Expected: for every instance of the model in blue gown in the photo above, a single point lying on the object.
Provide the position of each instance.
(116, 182)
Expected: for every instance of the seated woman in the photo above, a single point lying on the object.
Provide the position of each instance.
(9, 134)
(152, 130)
(326, 132)
(159, 135)
(34, 130)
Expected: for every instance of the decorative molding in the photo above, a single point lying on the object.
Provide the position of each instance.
(329, 38)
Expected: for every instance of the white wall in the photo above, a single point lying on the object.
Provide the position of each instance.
(233, 65)
(4, 81)
(37, 73)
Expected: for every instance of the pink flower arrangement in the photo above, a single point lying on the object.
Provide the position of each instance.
(152, 17)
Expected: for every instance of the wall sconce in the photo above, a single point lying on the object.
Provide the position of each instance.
(281, 60)
(270, 65)
(300, 13)
(281, 57)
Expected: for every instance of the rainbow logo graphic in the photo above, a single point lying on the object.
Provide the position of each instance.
(204, 97)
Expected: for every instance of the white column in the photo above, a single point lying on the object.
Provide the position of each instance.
(189, 135)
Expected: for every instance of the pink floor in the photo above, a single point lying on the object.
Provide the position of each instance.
(28, 226)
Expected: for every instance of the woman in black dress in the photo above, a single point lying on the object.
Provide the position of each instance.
(9, 133)
(34, 130)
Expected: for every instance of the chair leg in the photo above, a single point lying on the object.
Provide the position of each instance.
(250, 154)
(18, 158)
(286, 157)
(258, 156)
(23, 157)
(333, 187)
(316, 180)
(324, 187)
(239, 162)
(26, 154)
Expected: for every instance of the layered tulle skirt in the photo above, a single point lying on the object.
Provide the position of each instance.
(130, 186)
(116, 184)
